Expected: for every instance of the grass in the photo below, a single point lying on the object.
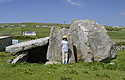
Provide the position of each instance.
(40, 31)
(118, 36)
(33, 24)
(78, 71)
(15, 32)
(110, 28)
(12, 31)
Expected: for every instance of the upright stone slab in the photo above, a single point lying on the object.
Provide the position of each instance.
(54, 49)
(79, 40)
(88, 41)
(92, 41)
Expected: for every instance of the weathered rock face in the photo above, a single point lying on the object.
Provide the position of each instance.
(122, 47)
(27, 45)
(88, 41)
(54, 49)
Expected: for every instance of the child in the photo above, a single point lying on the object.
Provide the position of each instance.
(64, 44)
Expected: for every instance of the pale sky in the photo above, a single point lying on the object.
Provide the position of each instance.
(105, 12)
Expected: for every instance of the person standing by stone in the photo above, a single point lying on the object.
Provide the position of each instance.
(64, 44)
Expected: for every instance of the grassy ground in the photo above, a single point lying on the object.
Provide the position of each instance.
(117, 35)
(78, 71)
(33, 24)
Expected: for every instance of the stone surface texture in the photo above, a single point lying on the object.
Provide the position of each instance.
(52, 62)
(122, 47)
(27, 45)
(88, 41)
(20, 57)
(4, 42)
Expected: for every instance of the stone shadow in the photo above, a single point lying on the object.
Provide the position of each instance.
(70, 53)
(38, 54)
(75, 52)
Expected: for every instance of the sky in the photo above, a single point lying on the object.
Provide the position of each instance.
(105, 12)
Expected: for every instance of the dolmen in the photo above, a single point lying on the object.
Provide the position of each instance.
(30, 51)
(88, 42)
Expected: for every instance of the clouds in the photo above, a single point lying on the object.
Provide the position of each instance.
(123, 14)
(1, 1)
(74, 3)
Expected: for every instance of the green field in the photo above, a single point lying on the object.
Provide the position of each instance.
(33, 24)
(117, 35)
(13, 31)
(78, 71)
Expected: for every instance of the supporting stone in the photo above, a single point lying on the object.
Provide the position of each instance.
(20, 57)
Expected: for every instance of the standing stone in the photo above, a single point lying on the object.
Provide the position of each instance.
(54, 49)
(92, 41)
(88, 41)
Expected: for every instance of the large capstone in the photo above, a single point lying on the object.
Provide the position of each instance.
(88, 41)
(27, 45)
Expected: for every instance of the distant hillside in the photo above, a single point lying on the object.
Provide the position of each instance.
(33, 25)
(43, 29)
(109, 28)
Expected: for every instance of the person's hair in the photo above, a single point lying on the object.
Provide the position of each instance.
(65, 38)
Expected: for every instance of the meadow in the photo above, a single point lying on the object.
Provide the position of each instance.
(77, 71)
(17, 32)
(117, 35)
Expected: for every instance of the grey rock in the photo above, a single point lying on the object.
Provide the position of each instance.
(54, 49)
(20, 57)
(52, 62)
(122, 47)
(10, 60)
(88, 41)
(27, 45)
(112, 63)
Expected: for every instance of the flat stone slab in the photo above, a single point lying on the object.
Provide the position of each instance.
(27, 45)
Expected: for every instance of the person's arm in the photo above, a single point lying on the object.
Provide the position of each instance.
(61, 43)
(68, 43)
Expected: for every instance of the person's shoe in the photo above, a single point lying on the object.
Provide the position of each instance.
(65, 62)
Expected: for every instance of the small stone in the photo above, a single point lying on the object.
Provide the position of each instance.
(10, 60)
(52, 62)
(112, 63)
